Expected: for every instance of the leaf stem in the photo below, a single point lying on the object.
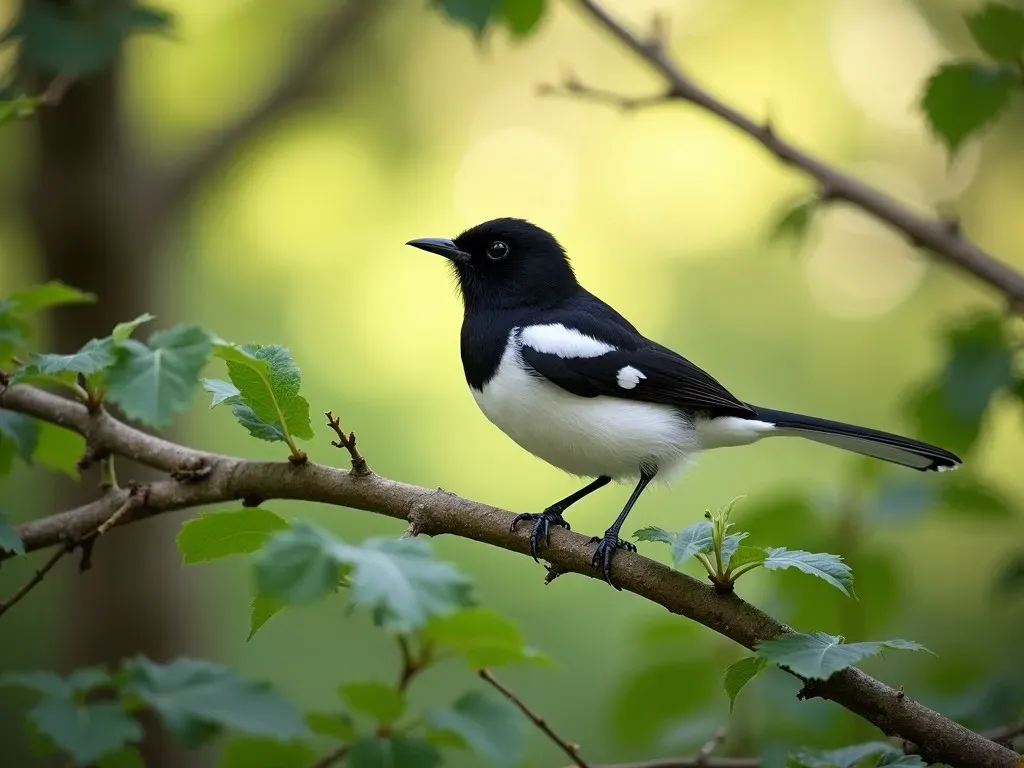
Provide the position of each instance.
(108, 475)
(732, 576)
(703, 559)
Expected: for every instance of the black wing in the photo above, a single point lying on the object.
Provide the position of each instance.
(657, 375)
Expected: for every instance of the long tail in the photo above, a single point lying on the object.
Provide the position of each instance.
(869, 442)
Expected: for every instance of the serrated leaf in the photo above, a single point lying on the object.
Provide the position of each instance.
(221, 391)
(255, 752)
(490, 725)
(747, 555)
(337, 725)
(195, 698)
(263, 608)
(653, 533)
(851, 757)
(152, 383)
(998, 29)
(829, 568)
(122, 331)
(475, 14)
(213, 535)
(690, 541)
(729, 546)
(9, 539)
(47, 295)
(398, 752)
(398, 579)
(94, 356)
(521, 16)
(739, 673)
(268, 382)
(482, 636)
(796, 221)
(59, 449)
(85, 732)
(819, 655)
(961, 98)
(383, 703)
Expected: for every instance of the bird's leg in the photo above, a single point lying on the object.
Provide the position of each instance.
(553, 515)
(606, 547)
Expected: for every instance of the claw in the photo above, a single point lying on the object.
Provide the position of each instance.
(541, 527)
(602, 559)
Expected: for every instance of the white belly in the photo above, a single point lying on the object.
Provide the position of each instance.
(583, 436)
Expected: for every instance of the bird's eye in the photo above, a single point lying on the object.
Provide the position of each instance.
(497, 250)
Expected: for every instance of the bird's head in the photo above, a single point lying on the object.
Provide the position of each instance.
(506, 263)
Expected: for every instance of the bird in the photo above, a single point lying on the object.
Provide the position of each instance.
(573, 382)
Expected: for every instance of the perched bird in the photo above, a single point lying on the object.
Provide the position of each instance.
(573, 382)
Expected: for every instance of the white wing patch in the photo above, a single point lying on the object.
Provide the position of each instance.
(556, 339)
(628, 377)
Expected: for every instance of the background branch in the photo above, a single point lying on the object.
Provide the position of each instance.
(439, 512)
(943, 238)
(325, 37)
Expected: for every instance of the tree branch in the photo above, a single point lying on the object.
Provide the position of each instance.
(572, 750)
(437, 512)
(324, 38)
(36, 580)
(940, 236)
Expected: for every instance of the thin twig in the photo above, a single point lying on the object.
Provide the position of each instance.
(136, 498)
(411, 664)
(232, 479)
(359, 466)
(28, 586)
(570, 749)
(694, 761)
(933, 233)
(331, 757)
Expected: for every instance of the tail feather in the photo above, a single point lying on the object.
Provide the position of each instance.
(869, 442)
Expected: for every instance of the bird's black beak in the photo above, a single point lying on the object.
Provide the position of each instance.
(442, 247)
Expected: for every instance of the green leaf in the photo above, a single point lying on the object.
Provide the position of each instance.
(268, 382)
(653, 533)
(20, 106)
(998, 30)
(383, 703)
(482, 636)
(690, 541)
(213, 535)
(829, 568)
(125, 757)
(85, 732)
(337, 725)
(739, 673)
(796, 221)
(747, 555)
(474, 14)
(521, 16)
(151, 383)
(399, 579)
(47, 295)
(9, 539)
(59, 449)
(263, 609)
(80, 681)
(20, 432)
(122, 331)
(490, 725)
(961, 98)
(255, 752)
(221, 390)
(399, 752)
(145, 18)
(195, 698)
(729, 546)
(852, 757)
(95, 356)
(819, 655)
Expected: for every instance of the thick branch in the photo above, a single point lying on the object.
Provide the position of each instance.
(943, 238)
(436, 512)
(325, 37)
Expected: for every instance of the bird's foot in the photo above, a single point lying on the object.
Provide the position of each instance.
(606, 547)
(541, 526)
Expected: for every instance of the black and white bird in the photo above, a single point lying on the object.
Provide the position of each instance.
(574, 383)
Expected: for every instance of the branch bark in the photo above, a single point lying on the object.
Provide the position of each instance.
(325, 37)
(436, 512)
(942, 237)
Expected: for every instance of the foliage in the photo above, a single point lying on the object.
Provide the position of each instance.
(820, 655)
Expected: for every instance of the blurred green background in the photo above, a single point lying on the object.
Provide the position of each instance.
(667, 215)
